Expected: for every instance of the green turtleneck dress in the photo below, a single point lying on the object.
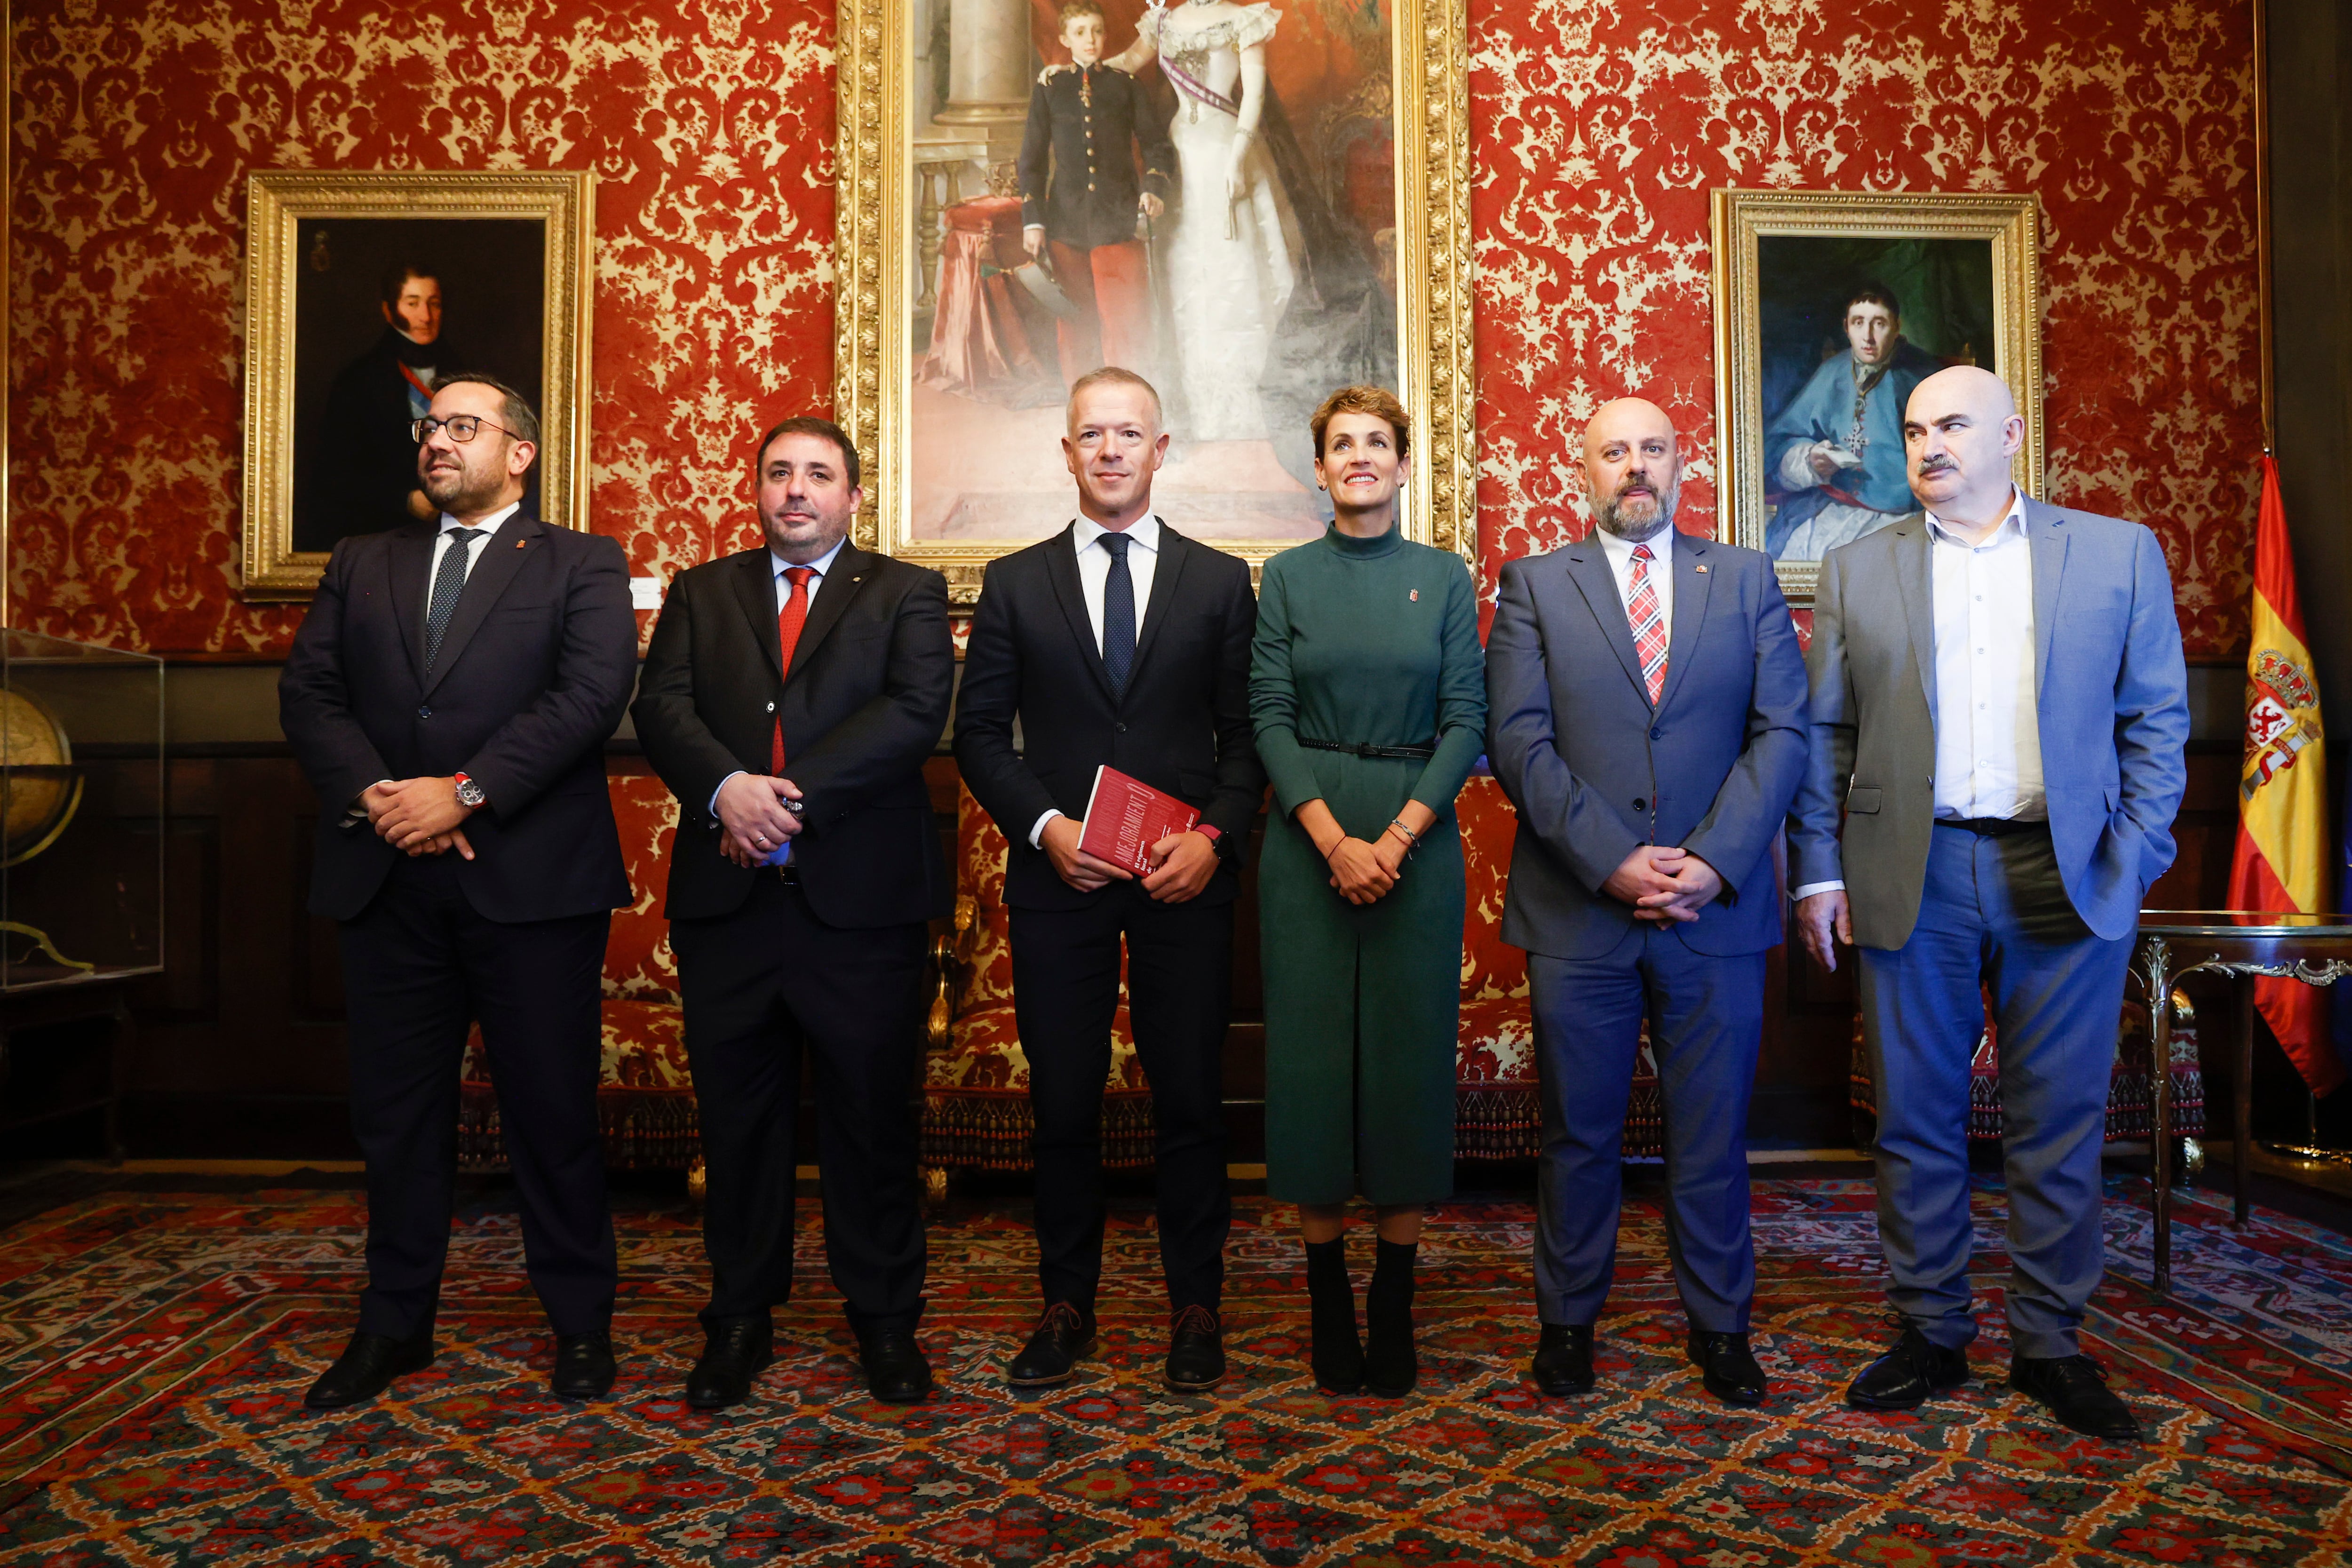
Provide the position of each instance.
(1370, 642)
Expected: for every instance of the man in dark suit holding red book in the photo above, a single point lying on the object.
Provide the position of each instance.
(790, 698)
(1118, 643)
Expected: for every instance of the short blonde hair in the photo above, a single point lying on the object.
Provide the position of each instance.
(1114, 375)
(1376, 400)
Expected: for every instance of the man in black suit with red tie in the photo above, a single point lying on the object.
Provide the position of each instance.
(1118, 642)
(790, 698)
(452, 688)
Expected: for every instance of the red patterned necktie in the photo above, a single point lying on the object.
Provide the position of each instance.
(1649, 625)
(788, 621)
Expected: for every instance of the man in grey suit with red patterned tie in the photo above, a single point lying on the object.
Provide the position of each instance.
(1646, 715)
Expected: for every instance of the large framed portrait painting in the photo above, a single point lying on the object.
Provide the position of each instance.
(1247, 203)
(361, 288)
(1829, 308)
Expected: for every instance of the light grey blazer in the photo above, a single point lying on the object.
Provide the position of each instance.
(2110, 702)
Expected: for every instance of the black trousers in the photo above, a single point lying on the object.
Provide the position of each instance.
(763, 986)
(420, 965)
(1180, 961)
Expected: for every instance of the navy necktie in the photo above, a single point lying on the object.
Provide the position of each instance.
(1119, 614)
(448, 582)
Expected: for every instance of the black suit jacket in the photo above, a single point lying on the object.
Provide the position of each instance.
(532, 678)
(1182, 726)
(863, 706)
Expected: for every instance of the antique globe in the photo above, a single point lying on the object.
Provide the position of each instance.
(37, 791)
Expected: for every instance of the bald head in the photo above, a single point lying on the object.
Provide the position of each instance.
(1960, 431)
(1633, 467)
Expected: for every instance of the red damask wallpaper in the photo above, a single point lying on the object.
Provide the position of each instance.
(1599, 129)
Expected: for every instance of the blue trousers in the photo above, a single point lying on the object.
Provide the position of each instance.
(1995, 917)
(1706, 1023)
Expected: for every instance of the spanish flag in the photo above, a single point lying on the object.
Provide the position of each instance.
(2281, 856)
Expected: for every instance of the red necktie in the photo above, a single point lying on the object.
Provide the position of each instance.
(788, 621)
(1649, 625)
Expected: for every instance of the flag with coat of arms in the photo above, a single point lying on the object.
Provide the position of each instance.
(2282, 855)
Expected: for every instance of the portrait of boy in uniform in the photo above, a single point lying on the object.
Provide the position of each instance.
(1095, 164)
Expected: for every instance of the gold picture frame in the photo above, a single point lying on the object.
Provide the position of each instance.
(1784, 263)
(329, 232)
(888, 229)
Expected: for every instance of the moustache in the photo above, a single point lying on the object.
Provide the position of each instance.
(1936, 466)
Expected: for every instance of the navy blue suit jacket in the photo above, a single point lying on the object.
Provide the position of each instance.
(1595, 770)
(533, 675)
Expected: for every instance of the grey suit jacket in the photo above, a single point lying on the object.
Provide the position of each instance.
(2110, 704)
(1595, 770)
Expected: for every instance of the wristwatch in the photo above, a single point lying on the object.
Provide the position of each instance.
(470, 794)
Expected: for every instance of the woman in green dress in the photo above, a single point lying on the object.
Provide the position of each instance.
(1367, 691)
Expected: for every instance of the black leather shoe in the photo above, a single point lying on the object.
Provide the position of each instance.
(1196, 1351)
(1914, 1370)
(896, 1371)
(1564, 1359)
(732, 1354)
(1728, 1367)
(367, 1367)
(583, 1366)
(2075, 1389)
(1051, 1357)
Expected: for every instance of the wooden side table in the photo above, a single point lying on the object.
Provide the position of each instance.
(2177, 944)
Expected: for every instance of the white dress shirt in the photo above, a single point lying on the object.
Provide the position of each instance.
(1620, 552)
(1987, 729)
(1094, 573)
(777, 564)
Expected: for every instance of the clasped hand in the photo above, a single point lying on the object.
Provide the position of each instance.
(1182, 863)
(1663, 885)
(754, 821)
(1366, 873)
(418, 816)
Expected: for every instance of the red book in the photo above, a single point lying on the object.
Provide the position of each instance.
(1125, 817)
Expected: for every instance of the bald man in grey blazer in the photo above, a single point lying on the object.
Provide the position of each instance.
(1999, 712)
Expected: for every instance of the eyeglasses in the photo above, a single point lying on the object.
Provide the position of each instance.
(461, 428)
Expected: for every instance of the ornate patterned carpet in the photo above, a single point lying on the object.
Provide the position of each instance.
(154, 1351)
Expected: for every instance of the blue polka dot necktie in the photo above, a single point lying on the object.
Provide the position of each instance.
(448, 582)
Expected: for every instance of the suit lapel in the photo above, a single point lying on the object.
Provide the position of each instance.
(2047, 538)
(833, 597)
(1588, 568)
(755, 593)
(1691, 580)
(1062, 566)
(1164, 572)
(1913, 574)
(503, 555)
(410, 563)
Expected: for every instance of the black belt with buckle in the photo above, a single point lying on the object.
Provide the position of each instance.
(1994, 826)
(1421, 754)
(789, 873)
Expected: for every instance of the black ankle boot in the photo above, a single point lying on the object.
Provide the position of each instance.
(1337, 1357)
(1390, 1366)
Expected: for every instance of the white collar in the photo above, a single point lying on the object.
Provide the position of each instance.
(821, 565)
(488, 525)
(2012, 522)
(1144, 531)
(1621, 551)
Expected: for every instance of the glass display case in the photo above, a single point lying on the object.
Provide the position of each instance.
(82, 792)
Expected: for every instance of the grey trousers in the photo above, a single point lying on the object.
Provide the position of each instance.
(1995, 917)
(1706, 1023)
